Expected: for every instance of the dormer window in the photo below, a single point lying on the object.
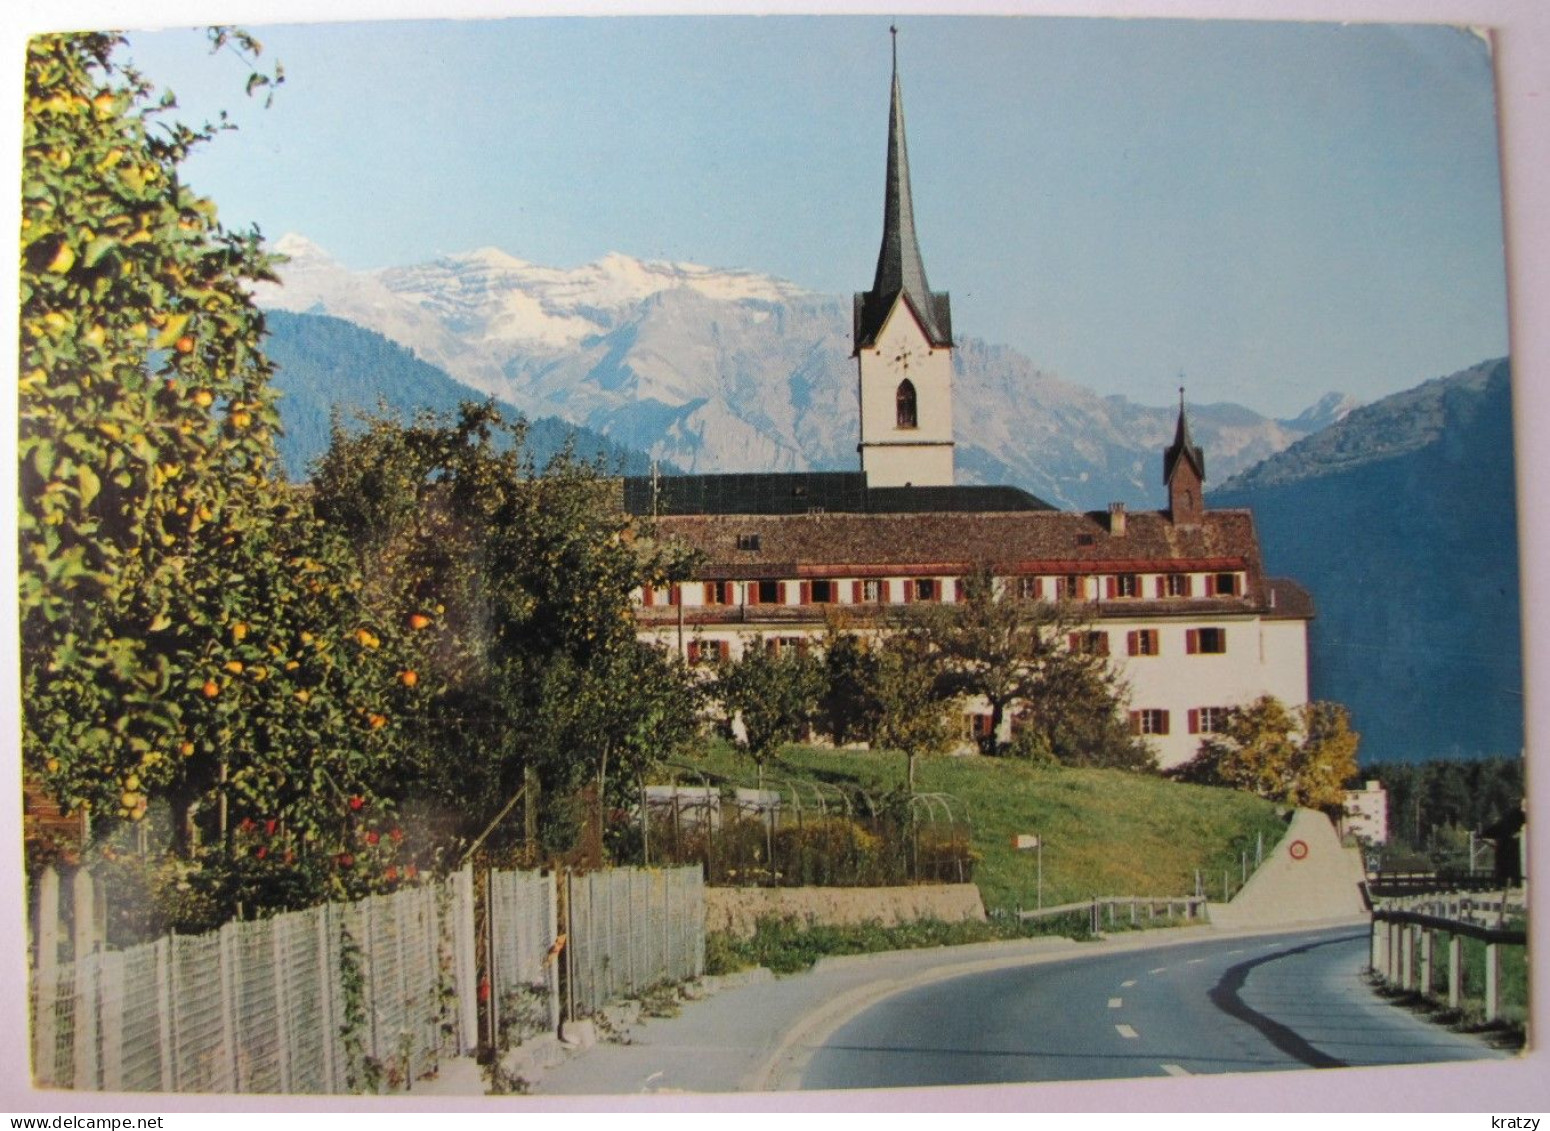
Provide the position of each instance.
(904, 399)
(748, 542)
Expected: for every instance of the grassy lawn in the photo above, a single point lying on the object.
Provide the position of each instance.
(1105, 832)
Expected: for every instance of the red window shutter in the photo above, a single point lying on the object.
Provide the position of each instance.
(782, 592)
(1074, 642)
(1189, 585)
(1162, 722)
(1101, 643)
(958, 590)
(693, 654)
(1210, 585)
(724, 650)
(1192, 641)
(855, 592)
(647, 596)
(805, 591)
(675, 595)
(1135, 722)
(909, 591)
(1194, 720)
(1112, 587)
(1038, 588)
(1162, 586)
(1133, 643)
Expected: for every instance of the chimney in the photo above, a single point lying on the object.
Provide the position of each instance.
(1117, 520)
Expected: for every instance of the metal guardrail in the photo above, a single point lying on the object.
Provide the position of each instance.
(1190, 907)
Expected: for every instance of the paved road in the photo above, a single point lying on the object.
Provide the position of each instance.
(1251, 1004)
(778, 1034)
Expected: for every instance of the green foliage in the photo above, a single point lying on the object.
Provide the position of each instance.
(516, 583)
(1012, 653)
(1301, 757)
(188, 632)
(1427, 798)
(913, 708)
(847, 709)
(773, 693)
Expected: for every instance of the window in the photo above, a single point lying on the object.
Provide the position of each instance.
(1123, 585)
(1151, 720)
(1143, 642)
(748, 542)
(904, 400)
(872, 592)
(1205, 641)
(925, 589)
(822, 592)
(720, 593)
(1029, 589)
(1222, 585)
(765, 593)
(1174, 585)
(701, 652)
(978, 724)
(1208, 720)
(1089, 643)
(1072, 587)
(779, 645)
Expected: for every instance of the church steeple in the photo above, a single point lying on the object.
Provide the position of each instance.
(900, 269)
(1184, 473)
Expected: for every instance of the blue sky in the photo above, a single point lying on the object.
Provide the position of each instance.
(1272, 209)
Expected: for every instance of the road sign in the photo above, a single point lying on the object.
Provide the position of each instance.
(1025, 841)
(1298, 849)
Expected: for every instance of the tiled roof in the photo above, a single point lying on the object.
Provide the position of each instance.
(1031, 541)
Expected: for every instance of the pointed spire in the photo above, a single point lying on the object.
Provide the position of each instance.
(1183, 446)
(900, 268)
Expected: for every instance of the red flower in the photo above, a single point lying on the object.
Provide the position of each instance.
(261, 851)
(397, 835)
(373, 837)
(345, 860)
(357, 802)
(391, 874)
(269, 826)
(411, 872)
(247, 825)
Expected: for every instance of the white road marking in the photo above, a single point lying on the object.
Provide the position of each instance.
(1127, 985)
(1238, 951)
(1159, 970)
(1196, 961)
(1115, 1003)
(1175, 1070)
(1127, 1032)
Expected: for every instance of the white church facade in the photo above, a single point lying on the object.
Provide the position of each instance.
(1177, 598)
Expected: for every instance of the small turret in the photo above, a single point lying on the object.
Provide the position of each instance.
(1184, 474)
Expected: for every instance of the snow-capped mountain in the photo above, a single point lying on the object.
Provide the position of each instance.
(722, 370)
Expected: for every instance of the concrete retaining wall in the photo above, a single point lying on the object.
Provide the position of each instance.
(1309, 877)
(738, 910)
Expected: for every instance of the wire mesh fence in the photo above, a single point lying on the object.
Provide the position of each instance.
(632, 929)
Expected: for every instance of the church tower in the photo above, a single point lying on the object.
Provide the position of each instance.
(903, 338)
(1184, 473)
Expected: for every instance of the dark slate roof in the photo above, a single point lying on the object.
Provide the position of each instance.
(1183, 447)
(901, 272)
(806, 492)
(857, 545)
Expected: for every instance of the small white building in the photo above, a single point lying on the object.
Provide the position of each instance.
(1366, 813)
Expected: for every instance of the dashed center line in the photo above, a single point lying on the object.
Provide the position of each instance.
(1159, 970)
(1127, 985)
(1238, 951)
(1127, 1032)
(1115, 1003)
(1175, 1070)
(1195, 961)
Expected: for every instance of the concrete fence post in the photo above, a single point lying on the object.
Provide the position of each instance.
(1407, 958)
(1455, 970)
(1493, 981)
(45, 1069)
(227, 973)
(1426, 961)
